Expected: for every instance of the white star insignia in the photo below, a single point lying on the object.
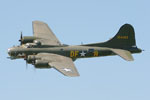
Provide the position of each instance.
(67, 70)
(82, 53)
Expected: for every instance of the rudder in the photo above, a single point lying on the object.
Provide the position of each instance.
(125, 38)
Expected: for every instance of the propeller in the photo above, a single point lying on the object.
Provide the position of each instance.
(26, 65)
(33, 63)
(25, 58)
(21, 38)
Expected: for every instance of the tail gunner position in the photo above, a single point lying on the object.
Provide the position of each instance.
(44, 50)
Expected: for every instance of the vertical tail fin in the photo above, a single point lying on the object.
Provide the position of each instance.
(123, 39)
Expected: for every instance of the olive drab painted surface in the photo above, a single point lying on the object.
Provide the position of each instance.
(44, 50)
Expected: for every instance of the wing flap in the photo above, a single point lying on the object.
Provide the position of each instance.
(124, 54)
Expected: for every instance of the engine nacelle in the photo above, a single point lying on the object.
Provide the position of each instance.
(31, 59)
(38, 43)
(27, 39)
(30, 45)
(41, 64)
(35, 44)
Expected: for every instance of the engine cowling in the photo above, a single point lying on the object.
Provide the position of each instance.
(41, 64)
(38, 43)
(31, 59)
(37, 62)
(34, 44)
(27, 39)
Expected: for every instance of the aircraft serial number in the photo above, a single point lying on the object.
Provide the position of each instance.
(122, 37)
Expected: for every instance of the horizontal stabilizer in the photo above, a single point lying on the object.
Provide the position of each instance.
(124, 54)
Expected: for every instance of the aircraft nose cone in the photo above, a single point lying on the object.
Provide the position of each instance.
(9, 51)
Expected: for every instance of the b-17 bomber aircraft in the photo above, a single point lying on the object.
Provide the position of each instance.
(44, 50)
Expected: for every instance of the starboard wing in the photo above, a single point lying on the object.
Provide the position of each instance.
(62, 64)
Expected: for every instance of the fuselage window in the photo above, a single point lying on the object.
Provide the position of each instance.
(91, 50)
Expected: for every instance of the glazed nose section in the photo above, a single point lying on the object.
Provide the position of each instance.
(9, 51)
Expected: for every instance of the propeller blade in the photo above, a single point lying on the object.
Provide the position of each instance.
(34, 69)
(21, 37)
(26, 65)
(25, 58)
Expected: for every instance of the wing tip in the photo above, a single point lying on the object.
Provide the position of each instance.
(38, 22)
(77, 75)
(126, 55)
(131, 59)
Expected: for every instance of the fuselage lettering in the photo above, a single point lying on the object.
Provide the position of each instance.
(74, 53)
(122, 37)
(95, 53)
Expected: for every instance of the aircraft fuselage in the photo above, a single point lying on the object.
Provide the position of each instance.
(73, 52)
